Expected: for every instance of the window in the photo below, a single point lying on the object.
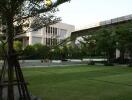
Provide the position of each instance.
(51, 30)
(47, 41)
(55, 31)
(48, 29)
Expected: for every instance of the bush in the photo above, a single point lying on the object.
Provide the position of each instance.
(37, 51)
(29, 52)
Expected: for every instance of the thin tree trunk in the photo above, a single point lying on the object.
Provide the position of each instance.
(122, 59)
(10, 31)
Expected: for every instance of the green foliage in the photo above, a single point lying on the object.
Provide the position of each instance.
(66, 52)
(124, 36)
(29, 52)
(56, 53)
(102, 42)
(88, 46)
(42, 51)
(36, 51)
(124, 39)
(105, 43)
(75, 52)
(17, 46)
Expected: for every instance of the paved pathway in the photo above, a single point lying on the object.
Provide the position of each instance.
(50, 64)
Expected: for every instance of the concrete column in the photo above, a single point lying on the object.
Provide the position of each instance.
(30, 39)
(117, 53)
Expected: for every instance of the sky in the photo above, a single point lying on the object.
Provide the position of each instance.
(84, 13)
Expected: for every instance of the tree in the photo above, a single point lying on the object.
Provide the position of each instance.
(124, 40)
(88, 45)
(14, 13)
(105, 41)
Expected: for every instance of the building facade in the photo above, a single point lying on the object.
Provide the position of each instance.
(49, 36)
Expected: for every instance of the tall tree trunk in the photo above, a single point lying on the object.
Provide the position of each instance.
(10, 31)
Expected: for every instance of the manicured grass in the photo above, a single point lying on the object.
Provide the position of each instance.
(81, 83)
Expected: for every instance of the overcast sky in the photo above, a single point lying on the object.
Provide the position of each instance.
(83, 13)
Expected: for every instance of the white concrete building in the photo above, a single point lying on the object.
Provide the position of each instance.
(51, 35)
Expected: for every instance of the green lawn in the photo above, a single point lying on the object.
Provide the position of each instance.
(81, 83)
